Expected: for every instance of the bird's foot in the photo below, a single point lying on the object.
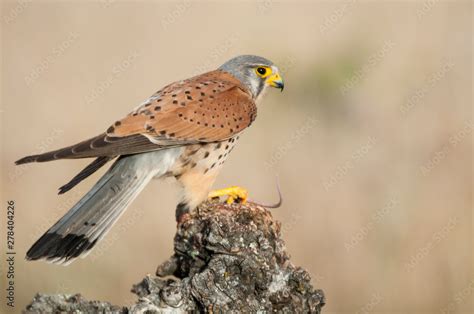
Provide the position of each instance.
(233, 193)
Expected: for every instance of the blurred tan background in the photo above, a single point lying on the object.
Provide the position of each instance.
(372, 138)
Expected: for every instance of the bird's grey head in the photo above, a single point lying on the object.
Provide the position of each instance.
(255, 72)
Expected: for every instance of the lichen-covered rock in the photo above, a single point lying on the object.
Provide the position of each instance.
(64, 303)
(231, 258)
(227, 258)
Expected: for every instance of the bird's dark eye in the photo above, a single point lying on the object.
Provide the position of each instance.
(261, 71)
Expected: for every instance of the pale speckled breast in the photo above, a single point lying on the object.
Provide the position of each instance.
(203, 157)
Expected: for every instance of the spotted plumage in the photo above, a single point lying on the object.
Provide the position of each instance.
(185, 130)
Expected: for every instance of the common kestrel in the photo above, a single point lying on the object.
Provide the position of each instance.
(185, 130)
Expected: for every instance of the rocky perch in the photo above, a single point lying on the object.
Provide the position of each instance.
(227, 258)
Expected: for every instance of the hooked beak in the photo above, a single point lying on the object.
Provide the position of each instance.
(276, 81)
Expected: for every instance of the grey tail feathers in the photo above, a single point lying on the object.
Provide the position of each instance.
(76, 233)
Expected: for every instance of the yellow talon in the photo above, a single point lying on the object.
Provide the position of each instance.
(233, 193)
